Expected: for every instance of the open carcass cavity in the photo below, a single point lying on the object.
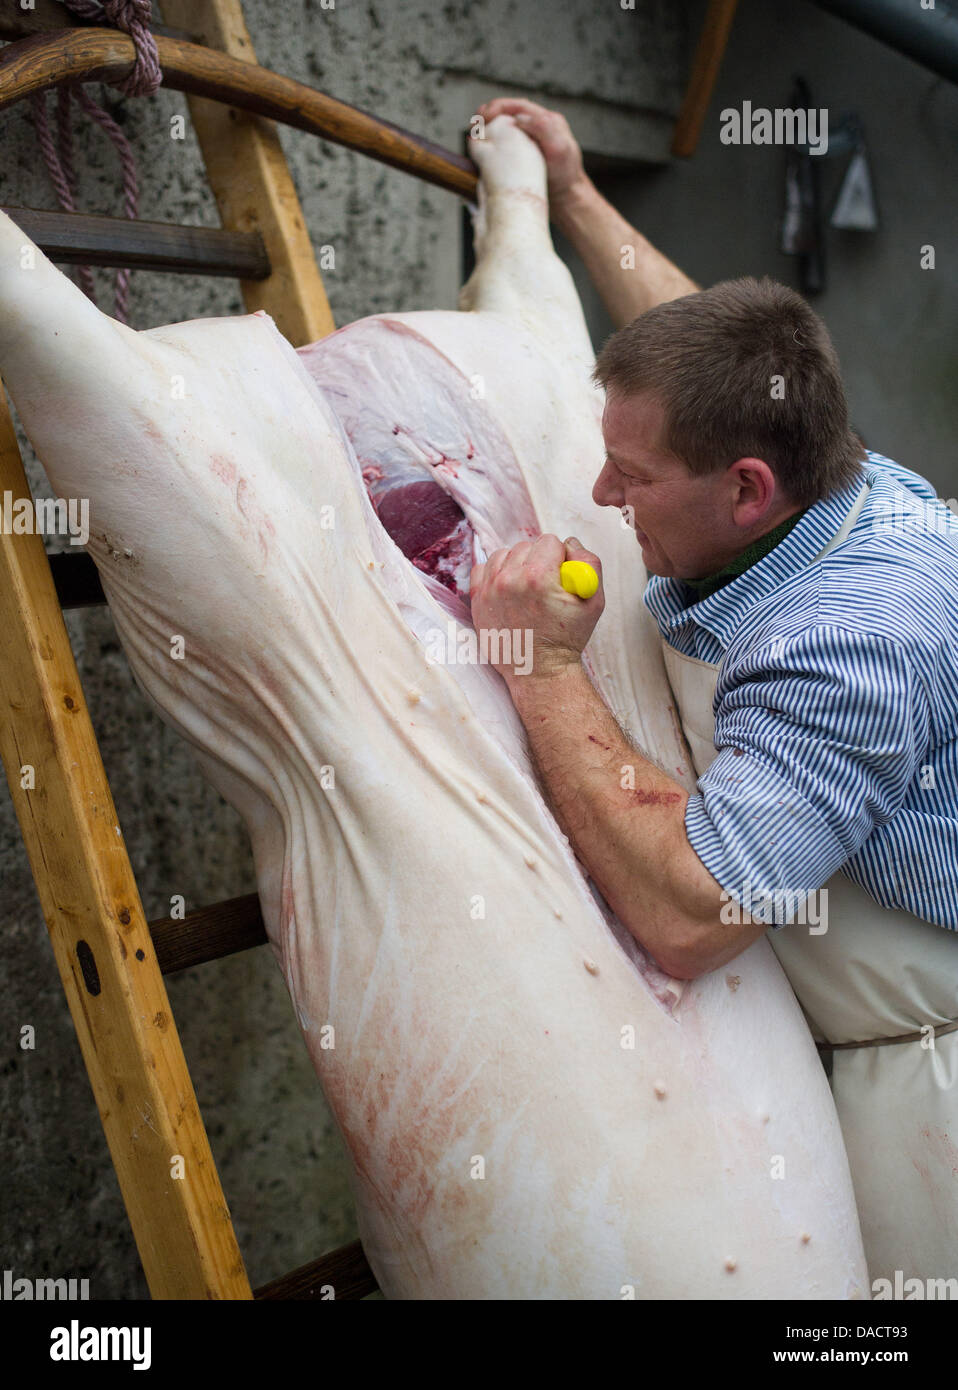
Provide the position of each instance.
(440, 472)
(427, 524)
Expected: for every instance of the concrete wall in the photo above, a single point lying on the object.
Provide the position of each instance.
(398, 247)
(718, 216)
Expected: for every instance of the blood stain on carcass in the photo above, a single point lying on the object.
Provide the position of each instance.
(248, 506)
(224, 468)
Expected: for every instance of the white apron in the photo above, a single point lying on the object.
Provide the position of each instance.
(869, 985)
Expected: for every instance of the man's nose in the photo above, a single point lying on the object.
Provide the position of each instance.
(606, 492)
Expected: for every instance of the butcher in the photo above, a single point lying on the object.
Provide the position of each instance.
(804, 593)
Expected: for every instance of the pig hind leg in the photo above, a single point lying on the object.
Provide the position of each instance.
(517, 272)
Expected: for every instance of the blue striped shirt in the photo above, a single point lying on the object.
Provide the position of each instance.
(836, 707)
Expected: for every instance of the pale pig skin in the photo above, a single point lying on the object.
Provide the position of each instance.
(425, 907)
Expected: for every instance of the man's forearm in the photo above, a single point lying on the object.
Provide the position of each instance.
(598, 232)
(625, 818)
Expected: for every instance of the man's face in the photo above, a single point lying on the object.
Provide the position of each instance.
(679, 517)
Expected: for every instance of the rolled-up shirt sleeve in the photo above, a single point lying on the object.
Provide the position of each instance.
(819, 736)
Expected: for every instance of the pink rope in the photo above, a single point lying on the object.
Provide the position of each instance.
(65, 138)
(132, 16)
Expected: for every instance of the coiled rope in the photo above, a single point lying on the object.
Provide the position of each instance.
(133, 17)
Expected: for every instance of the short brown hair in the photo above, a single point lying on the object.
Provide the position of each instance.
(710, 358)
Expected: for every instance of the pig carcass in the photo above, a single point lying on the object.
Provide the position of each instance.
(532, 1109)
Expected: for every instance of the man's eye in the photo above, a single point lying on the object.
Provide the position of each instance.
(628, 477)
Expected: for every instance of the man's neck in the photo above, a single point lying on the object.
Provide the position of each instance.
(756, 550)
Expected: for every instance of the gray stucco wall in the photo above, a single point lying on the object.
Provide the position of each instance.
(618, 75)
(717, 216)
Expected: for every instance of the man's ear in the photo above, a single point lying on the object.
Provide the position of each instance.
(760, 490)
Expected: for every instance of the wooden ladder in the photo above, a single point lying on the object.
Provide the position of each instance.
(111, 960)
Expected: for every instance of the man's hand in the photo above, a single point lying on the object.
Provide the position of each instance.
(552, 134)
(518, 591)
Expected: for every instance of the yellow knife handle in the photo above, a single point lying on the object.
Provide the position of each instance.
(576, 577)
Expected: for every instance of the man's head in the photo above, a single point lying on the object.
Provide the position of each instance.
(725, 414)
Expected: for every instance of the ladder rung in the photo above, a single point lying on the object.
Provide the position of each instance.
(77, 580)
(210, 933)
(76, 238)
(346, 1270)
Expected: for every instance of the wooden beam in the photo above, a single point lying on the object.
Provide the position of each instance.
(346, 1271)
(90, 55)
(100, 939)
(75, 238)
(209, 933)
(76, 580)
(705, 69)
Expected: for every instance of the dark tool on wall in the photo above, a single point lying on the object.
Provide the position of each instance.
(801, 219)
